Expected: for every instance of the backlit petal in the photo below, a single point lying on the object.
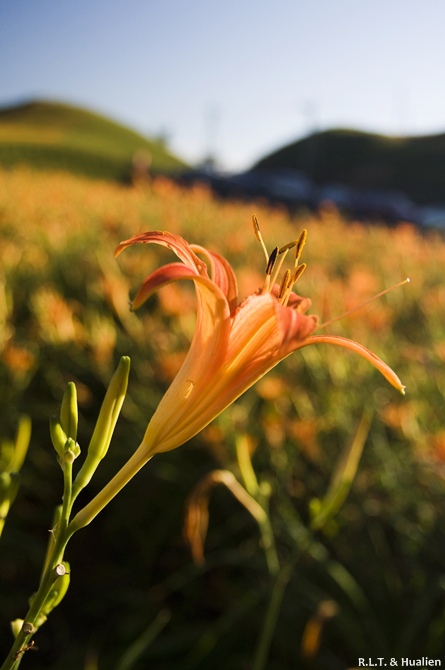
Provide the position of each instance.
(254, 347)
(161, 277)
(175, 243)
(386, 371)
(221, 273)
(198, 372)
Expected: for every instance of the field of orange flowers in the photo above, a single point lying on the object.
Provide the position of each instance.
(370, 583)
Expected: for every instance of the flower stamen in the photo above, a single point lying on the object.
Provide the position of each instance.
(273, 268)
(256, 228)
(269, 269)
(298, 272)
(271, 261)
(278, 267)
(289, 245)
(295, 277)
(300, 244)
(285, 284)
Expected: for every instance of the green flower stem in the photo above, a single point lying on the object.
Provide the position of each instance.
(67, 502)
(110, 490)
(63, 436)
(29, 627)
(50, 575)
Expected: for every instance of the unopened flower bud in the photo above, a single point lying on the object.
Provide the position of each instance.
(69, 412)
(71, 451)
(105, 425)
(58, 435)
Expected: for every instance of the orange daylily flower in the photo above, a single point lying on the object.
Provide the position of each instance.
(234, 343)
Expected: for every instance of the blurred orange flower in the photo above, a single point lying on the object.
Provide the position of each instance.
(18, 359)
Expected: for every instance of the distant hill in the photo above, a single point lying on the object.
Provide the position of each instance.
(53, 135)
(412, 165)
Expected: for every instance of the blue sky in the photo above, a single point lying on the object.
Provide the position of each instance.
(237, 78)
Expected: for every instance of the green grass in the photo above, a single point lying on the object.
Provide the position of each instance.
(52, 135)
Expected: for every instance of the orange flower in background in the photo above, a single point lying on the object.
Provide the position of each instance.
(234, 344)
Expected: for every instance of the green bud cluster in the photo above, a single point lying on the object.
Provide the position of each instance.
(63, 431)
(55, 577)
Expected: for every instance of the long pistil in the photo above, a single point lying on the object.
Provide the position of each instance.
(363, 304)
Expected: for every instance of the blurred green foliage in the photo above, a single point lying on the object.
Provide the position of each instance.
(136, 599)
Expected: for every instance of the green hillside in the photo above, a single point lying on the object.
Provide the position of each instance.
(414, 165)
(53, 135)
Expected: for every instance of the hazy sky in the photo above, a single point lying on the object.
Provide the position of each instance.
(238, 78)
